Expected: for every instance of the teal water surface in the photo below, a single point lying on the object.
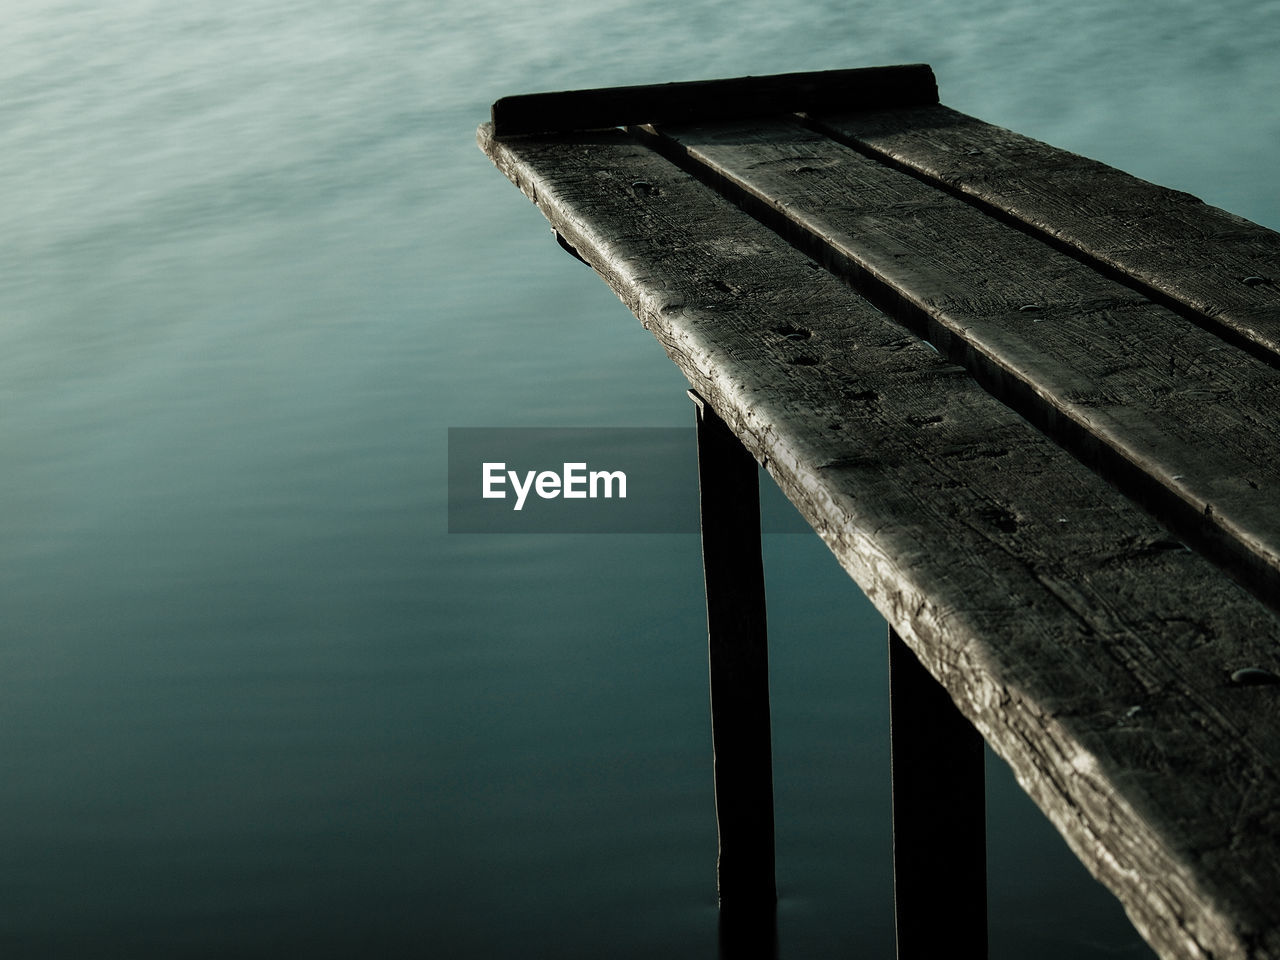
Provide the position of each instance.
(254, 701)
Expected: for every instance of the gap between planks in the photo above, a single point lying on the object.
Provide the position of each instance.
(1213, 267)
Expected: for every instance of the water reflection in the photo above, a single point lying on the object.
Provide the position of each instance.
(748, 934)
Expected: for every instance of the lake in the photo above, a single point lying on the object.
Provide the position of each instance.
(255, 701)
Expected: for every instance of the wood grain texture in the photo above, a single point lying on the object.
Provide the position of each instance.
(1159, 405)
(1180, 249)
(864, 88)
(1092, 652)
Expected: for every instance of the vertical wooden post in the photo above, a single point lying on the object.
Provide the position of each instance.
(737, 654)
(748, 934)
(939, 817)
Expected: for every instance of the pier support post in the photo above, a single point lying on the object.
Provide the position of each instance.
(939, 817)
(737, 655)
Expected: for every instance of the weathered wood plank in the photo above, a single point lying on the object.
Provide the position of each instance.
(738, 659)
(863, 88)
(1092, 652)
(1180, 249)
(1159, 405)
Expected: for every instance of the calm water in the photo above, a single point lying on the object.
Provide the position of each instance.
(253, 700)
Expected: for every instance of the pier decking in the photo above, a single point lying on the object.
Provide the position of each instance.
(1030, 402)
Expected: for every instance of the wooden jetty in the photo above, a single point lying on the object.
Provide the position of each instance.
(1030, 402)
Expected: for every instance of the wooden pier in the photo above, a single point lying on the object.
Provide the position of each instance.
(1030, 402)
